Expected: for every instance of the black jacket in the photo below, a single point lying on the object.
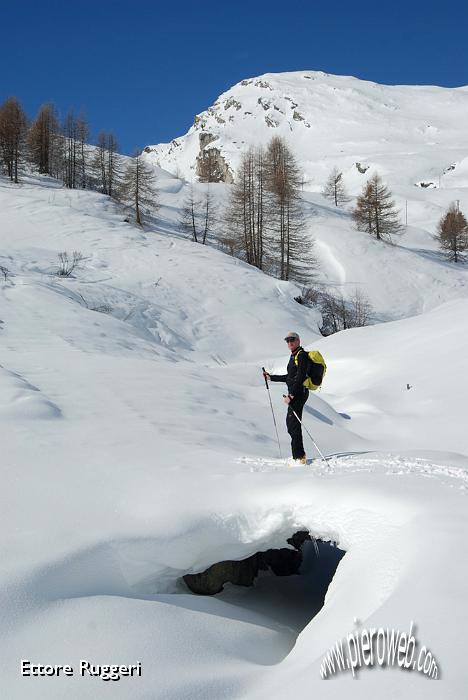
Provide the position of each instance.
(296, 374)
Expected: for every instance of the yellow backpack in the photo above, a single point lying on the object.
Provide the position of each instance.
(316, 368)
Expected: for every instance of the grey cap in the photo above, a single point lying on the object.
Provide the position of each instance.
(292, 334)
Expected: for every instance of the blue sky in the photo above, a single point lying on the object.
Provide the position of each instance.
(144, 69)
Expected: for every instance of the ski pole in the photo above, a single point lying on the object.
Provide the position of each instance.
(316, 446)
(272, 412)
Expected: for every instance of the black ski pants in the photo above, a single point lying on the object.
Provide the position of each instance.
(293, 425)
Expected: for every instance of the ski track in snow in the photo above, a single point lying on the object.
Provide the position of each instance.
(378, 464)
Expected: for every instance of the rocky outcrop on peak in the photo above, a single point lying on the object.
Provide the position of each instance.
(211, 165)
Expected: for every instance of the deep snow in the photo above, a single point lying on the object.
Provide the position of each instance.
(138, 445)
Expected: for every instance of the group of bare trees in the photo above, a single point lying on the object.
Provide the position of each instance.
(264, 223)
(62, 150)
(44, 141)
(338, 313)
(199, 214)
(72, 147)
(246, 218)
(106, 164)
(58, 149)
(375, 212)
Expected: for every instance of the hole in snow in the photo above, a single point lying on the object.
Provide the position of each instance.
(286, 586)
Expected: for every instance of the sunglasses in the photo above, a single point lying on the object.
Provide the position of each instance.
(290, 340)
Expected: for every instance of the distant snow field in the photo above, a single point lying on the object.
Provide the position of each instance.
(138, 443)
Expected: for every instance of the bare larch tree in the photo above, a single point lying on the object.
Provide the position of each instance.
(13, 129)
(291, 249)
(452, 234)
(82, 133)
(334, 188)
(375, 212)
(42, 138)
(138, 189)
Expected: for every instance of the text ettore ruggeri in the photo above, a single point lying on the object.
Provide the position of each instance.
(105, 672)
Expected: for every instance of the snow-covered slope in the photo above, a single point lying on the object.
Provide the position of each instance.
(408, 134)
(400, 280)
(138, 445)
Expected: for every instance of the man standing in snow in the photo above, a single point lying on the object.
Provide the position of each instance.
(297, 393)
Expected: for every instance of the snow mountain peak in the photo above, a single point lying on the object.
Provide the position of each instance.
(330, 120)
